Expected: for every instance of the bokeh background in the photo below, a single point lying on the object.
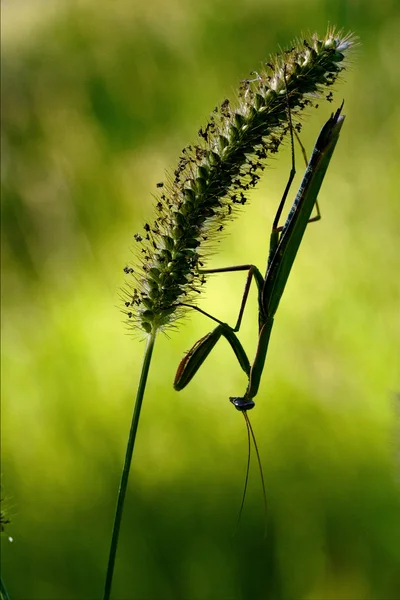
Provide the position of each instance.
(98, 99)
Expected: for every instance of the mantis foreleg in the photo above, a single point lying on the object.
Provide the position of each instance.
(195, 357)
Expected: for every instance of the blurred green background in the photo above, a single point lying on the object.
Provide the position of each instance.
(98, 100)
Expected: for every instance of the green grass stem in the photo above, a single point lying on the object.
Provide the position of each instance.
(3, 592)
(127, 464)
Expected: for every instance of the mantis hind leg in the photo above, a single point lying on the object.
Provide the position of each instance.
(276, 228)
(317, 217)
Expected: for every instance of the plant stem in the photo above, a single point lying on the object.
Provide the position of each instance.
(127, 464)
(3, 592)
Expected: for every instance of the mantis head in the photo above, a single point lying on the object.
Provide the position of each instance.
(242, 403)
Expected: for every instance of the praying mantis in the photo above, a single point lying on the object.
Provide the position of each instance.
(284, 244)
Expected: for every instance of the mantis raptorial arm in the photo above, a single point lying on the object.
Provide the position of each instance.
(195, 357)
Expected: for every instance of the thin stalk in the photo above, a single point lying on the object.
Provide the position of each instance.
(127, 464)
(3, 592)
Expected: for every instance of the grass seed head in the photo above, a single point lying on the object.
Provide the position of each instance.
(214, 176)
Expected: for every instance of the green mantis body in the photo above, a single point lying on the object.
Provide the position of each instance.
(284, 244)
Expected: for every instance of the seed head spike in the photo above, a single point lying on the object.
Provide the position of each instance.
(213, 177)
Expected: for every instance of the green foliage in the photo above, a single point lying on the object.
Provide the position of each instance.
(98, 101)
